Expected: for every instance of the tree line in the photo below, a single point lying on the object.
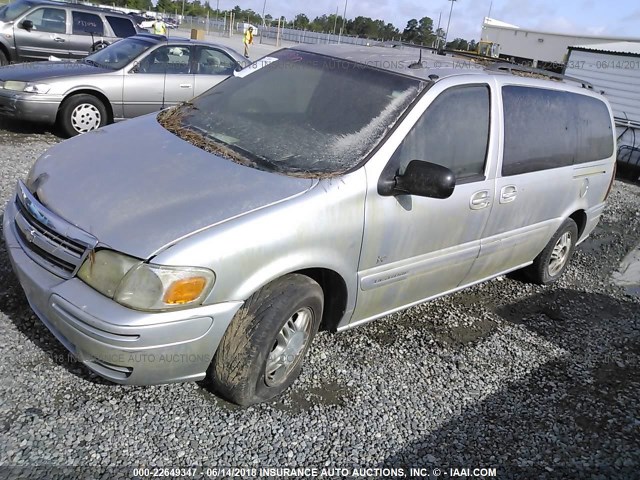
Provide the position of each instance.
(420, 32)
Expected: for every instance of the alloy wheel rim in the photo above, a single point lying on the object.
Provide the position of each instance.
(85, 117)
(290, 343)
(560, 254)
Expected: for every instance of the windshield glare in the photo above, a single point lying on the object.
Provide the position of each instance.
(119, 54)
(13, 10)
(302, 114)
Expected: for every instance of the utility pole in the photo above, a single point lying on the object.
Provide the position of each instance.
(264, 6)
(438, 31)
(182, 8)
(217, 11)
(490, 7)
(344, 20)
(448, 23)
(335, 23)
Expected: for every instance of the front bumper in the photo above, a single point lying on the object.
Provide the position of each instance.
(29, 107)
(119, 344)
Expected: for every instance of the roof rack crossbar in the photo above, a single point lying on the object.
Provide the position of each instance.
(510, 68)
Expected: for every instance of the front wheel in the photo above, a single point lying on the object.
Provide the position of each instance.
(81, 114)
(3, 59)
(262, 351)
(549, 266)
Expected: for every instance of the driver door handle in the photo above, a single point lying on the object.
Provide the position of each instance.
(58, 39)
(480, 200)
(185, 85)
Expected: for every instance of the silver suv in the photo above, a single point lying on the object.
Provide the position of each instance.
(321, 186)
(36, 29)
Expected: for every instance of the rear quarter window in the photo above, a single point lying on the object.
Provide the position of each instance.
(122, 27)
(87, 24)
(545, 129)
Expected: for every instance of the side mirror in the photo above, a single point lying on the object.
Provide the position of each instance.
(27, 25)
(423, 179)
(135, 68)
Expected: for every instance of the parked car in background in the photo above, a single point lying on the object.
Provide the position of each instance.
(37, 29)
(134, 76)
(171, 23)
(142, 20)
(147, 23)
(327, 184)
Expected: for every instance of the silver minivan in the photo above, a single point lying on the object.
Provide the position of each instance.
(323, 186)
(37, 29)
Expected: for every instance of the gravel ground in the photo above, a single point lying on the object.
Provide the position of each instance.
(536, 382)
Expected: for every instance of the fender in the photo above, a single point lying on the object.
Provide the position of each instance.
(8, 49)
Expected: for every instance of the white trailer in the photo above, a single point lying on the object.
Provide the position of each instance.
(614, 70)
(527, 45)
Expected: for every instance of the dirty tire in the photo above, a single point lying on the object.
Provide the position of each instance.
(98, 46)
(237, 372)
(541, 271)
(70, 113)
(3, 59)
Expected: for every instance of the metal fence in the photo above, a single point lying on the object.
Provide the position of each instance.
(272, 35)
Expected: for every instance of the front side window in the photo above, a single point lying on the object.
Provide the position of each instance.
(51, 20)
(122, 27)
(87, 24)
(452, 132)
(297, 113)
(546, 129)
(167, 60)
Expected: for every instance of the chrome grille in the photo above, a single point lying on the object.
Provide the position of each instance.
(49, 240)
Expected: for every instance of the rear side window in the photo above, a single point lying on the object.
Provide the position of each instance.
(546, 129)
(87, 24)
(214, 62)
(122, 27)
(452, 132)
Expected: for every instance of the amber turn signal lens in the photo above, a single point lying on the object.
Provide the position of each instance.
(184, 291)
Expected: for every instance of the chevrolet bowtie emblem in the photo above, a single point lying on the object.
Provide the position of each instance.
(30, 235)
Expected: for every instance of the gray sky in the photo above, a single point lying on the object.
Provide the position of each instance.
(594, 17)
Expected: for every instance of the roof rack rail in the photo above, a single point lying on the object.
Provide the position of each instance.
(511, 68)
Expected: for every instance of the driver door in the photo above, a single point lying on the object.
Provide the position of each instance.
(161, 79)
(418, 247)
(47, 37)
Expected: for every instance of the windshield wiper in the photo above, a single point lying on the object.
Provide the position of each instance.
(93, 63)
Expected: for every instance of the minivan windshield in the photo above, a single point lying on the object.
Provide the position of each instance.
(13, 10)
(297, 113)
(118, 54)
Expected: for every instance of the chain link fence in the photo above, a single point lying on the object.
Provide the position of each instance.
(271, 35)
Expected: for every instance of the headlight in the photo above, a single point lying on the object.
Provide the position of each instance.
(13, 85)
(144, 286)
(105, 269)
(40, 88)
(26, 87)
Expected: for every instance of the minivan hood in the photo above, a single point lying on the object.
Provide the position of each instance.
(37, 71)
(138, 188)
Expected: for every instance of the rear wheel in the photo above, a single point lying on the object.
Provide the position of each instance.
(261, 353)
(81, 114)
(98, 46)
(3, 59)
(549, 266)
